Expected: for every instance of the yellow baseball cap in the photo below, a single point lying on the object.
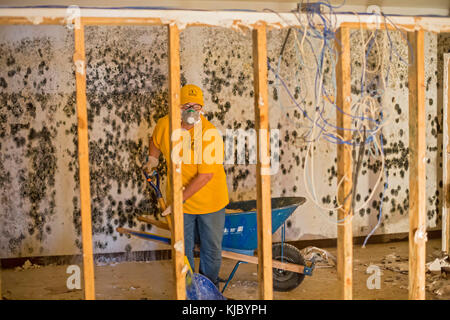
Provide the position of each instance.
(190, 93)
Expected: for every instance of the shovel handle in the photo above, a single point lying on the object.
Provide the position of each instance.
(155, 187)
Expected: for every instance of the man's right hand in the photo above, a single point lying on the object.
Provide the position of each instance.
(151, 164)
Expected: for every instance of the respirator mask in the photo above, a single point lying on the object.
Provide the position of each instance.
(190, 116)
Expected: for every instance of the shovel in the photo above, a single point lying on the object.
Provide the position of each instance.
(198, 287)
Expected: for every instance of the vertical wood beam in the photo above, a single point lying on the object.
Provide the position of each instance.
(264, 208)
(446, 153)
(175, 169)
(344, 168)
(83, 159)
(417, 174)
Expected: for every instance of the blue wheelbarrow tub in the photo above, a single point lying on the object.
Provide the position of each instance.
(240, 233)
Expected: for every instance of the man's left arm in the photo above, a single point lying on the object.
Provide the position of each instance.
(199, 181)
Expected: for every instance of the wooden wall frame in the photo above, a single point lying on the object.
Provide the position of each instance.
(263, 192)
(83, 160)
(445, 157)
(175, 170)
(344, 167)
(417, 170)
(259, 23)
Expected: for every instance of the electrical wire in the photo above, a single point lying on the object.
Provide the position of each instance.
(366, 111)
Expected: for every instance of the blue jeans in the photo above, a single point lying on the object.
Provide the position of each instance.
(207, 229)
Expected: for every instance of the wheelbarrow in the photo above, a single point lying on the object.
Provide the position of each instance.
(240, 238)
(240, 242)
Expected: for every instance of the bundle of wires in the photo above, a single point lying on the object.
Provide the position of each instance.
(367, 117)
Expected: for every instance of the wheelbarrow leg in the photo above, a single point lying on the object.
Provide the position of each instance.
(232, 274)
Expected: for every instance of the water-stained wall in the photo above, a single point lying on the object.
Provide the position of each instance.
(127, 92)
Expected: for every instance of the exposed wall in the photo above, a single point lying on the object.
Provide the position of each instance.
(127, 93)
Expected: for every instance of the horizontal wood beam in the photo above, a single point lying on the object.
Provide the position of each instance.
(254, 260)
(156, 223)
(241, 20)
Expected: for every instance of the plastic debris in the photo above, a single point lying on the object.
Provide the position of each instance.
(321, 256)
(438, 264)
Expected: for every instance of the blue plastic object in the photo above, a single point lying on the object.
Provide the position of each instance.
(201, 288)
(241, 229)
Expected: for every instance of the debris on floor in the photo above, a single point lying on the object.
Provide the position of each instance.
(437, 264)
(396, 263)
(322, 257)
(438, 276)
(444, 291)
(27, 265)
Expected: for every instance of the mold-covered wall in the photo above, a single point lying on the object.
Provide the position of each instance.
(127, 93)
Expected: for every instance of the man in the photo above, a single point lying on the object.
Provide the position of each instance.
(205, 192)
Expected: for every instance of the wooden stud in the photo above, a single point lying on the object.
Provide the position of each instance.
(175, 168)
(30, 21)
(252, 259)
(83, 159)
(264, 210)
(446, 153)
(157, 223)
(417, 160)
(344, 168)
(446, 222)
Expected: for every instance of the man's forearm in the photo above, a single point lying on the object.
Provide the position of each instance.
(153, 151)
(196, 184)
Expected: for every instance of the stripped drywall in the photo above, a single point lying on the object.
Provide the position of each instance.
(127, 93)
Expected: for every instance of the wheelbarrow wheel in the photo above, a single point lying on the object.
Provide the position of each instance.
(286, 280)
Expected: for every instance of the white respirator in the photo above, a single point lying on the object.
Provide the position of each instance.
(190, 116)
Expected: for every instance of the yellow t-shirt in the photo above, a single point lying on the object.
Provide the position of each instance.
(214, 195)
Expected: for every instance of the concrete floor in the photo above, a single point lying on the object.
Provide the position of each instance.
(154, 279)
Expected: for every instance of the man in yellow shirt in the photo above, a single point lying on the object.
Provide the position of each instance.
(205, 193)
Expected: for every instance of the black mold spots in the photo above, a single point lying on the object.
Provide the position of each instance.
(126, 88)
(10, 61)
(242, 175)
(220, 77)
(397, 155)
(34, 141)
(332, 173)
(14, 243)
(436, 127)
(37, 184)
(3, 83)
